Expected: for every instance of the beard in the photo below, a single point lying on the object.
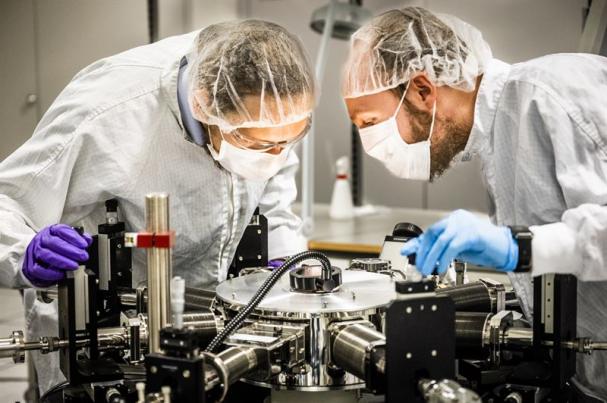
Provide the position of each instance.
(448, 140)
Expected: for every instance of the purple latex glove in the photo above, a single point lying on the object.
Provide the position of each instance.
(52, 251)
(276, 263)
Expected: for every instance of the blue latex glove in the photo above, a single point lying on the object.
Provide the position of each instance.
(463, 236)
(52, 251)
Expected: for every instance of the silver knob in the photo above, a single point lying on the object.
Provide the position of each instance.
(31, 99)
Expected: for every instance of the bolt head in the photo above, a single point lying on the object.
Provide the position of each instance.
(186, 373)
(153, 369)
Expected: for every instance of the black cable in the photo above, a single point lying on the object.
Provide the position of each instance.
(240, 317)
(54, 389)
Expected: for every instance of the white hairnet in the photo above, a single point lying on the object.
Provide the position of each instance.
(385, 52)
(249, 74)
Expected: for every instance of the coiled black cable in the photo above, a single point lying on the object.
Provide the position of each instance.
(240, 317)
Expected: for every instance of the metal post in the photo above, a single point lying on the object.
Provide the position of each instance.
(159, 271)
(307, 165)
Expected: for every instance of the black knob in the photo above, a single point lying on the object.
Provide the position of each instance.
(111, 205)
(406, 229)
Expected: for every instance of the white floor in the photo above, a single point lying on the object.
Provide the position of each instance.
(13, 377)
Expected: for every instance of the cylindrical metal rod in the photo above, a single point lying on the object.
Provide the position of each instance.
(470, 329)
(472, 297)
(159, 271)
(307, 165)
(352, 347)
(230, 365)
(238, 361)
(518, 337)
(109, 337)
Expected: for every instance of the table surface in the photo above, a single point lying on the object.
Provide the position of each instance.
(364, 234)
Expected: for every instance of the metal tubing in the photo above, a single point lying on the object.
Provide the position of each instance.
(471, 297)
(159, 271)
(518, 336)
(352, 347)
(108, 337)
(238, 362)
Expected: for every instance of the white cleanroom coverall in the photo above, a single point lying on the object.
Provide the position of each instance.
(540, 130)
(116, 132)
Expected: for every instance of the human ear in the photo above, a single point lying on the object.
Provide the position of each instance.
(421, 92)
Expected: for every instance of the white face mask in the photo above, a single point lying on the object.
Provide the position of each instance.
(383, 142)
(255, 166)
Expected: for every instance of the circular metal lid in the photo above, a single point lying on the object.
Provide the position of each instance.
(359, 291)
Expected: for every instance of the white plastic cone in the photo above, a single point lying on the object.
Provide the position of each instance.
(341, 200)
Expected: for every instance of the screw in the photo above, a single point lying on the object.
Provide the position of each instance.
(434, 308)
(258, 257)
(408, 310)
(353, 295)
(153, 369)
(434, 353)
(409, 355)
(186, 373)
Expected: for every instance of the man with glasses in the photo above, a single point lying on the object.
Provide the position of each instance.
(210, 118)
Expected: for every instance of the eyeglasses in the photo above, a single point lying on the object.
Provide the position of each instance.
(250, 143)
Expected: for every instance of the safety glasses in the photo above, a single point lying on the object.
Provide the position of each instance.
(247, 142)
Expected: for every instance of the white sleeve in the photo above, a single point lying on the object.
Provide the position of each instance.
(284, 226)
(38, 181)
(15, 235)
(33, 186)
(578, 243)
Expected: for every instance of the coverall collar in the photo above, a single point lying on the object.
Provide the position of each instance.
(191, 125)
(169, 87)
(487, 100)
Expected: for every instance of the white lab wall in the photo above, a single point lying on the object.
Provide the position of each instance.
(516, 29)
(44, 43)
(72, 34)
(18, 114)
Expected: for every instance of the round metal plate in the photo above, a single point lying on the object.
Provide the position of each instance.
(359, 291)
